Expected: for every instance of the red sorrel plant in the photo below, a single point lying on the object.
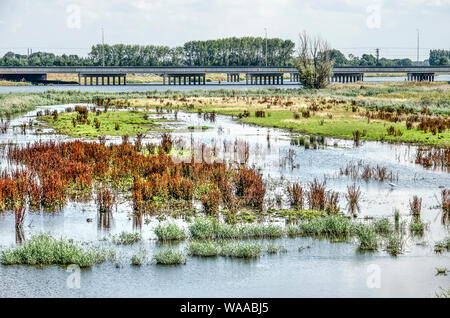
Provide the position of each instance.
(296, 195)
(317, 195)
(105, 201)
(250, 187)
(353, 195)
(445, 204)
(415, 206)
(19, 214)
(166, 143)
(211, 201)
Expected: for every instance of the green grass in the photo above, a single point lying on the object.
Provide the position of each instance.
(137, 260)
(204, 228)
(170, 232)
(395, 244)
(332, 225)
(368, 240)
(46, 250)
(205, 248)
(169, 257)
(125, 238)
(442, 245)
(417, 227)
(242, 250)
(130, 123)
(344, 127)
(224, 248)
(383, 226)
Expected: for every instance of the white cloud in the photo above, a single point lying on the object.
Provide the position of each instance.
(173, 22)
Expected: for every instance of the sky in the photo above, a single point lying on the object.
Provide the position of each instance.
(354, 26)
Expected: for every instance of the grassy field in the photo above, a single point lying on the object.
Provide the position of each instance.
(330, 118)
(112, 123)
(279, 106)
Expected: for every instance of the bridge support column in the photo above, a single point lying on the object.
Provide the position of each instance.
(418, 77)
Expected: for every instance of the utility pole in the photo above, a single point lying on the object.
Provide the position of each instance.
(377, 52)
(265, 29)
(417, 46)
(103, 47)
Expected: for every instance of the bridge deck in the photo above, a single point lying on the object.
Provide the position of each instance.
(210, 70)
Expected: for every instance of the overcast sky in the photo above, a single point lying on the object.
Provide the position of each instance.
(355, 26)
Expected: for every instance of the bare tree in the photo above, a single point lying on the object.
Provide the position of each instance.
(314, 62)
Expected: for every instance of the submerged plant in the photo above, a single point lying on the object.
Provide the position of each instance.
(125, 238)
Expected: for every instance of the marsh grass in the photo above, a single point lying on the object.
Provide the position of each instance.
(417, 227)
(383, 226)
(224, 248)
(137, 260)
(332, 226)
(275, 249)
(170, 232)
(367, 236)
(242, 250)
(205, 228)
(46, 250)
(169, 257)
(205, 248)
(442, 245)
(125, 238)
(395, 244)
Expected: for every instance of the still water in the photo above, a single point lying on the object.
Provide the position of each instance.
(160, 87)
(324, 269)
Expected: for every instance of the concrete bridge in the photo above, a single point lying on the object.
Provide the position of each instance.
(254, 75)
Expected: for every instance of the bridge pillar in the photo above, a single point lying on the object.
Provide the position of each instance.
(418, 77)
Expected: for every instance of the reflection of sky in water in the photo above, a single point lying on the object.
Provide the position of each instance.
(296, 274)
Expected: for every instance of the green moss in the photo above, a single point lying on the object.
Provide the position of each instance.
(129, 123)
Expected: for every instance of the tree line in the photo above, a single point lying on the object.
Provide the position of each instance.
(223, 52)
(439, 57)
(246, 51)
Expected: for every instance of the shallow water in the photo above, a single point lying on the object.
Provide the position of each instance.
(160, 87)
(324, 270)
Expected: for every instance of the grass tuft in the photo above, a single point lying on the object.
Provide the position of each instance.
(46, 250)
